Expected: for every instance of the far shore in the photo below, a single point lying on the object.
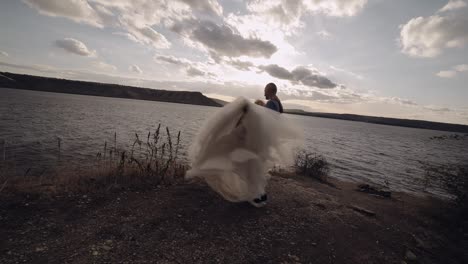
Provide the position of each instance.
(47, 84)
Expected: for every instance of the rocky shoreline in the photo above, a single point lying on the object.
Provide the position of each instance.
(304, 222)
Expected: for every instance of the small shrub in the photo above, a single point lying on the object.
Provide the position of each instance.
(312, 165)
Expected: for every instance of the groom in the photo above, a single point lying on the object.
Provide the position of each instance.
(273, 102)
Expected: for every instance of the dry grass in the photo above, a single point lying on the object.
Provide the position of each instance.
(312, 165)
(147, 164)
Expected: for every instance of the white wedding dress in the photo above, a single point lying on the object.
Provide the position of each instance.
(235, 148)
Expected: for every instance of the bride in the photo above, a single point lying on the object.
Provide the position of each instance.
(235, 148)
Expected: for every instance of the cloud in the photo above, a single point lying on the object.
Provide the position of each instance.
(145, 35)
(437, 108)
(453, 5)
(138, 19)
(222, 40)
(134, 68)
(239, 64)
(401, 101)
(74, 46)
(78, 11)
(277, 20)
(461, 68)
(277, 71)
(355, 75)
(173, 60)
(127, 35)
(323, 34)
(207, 6)
(338, 8)
(3, 53)
(300, 74)
(331, 96)
(102, 13)
(287, 14)
(282, 14)
(33, 67)
(192, 69)
(427, 37)
(145, 21)
(103, 66)
(453, 72)
(446, 74)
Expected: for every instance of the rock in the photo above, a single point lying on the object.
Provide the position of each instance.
(314, 244)
(95, 253)
(294, 257)
(362, 210)
(320, 205)
(366, 188)
(105, 247)
(40, 249)
(420, 243)
(410, 255)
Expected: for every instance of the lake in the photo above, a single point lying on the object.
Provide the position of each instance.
(31, 123)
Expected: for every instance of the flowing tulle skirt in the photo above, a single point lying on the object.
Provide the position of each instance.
(235, 148)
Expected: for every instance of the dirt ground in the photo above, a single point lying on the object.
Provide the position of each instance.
(304, 222)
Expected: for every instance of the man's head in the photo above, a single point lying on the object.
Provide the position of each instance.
(270, 91)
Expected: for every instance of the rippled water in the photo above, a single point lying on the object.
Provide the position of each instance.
(31, 122)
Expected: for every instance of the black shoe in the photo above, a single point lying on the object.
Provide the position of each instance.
(259, 202)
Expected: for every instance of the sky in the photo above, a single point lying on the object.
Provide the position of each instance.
(399, 58)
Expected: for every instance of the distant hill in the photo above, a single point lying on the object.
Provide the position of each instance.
(386, 121)
(30, 82)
